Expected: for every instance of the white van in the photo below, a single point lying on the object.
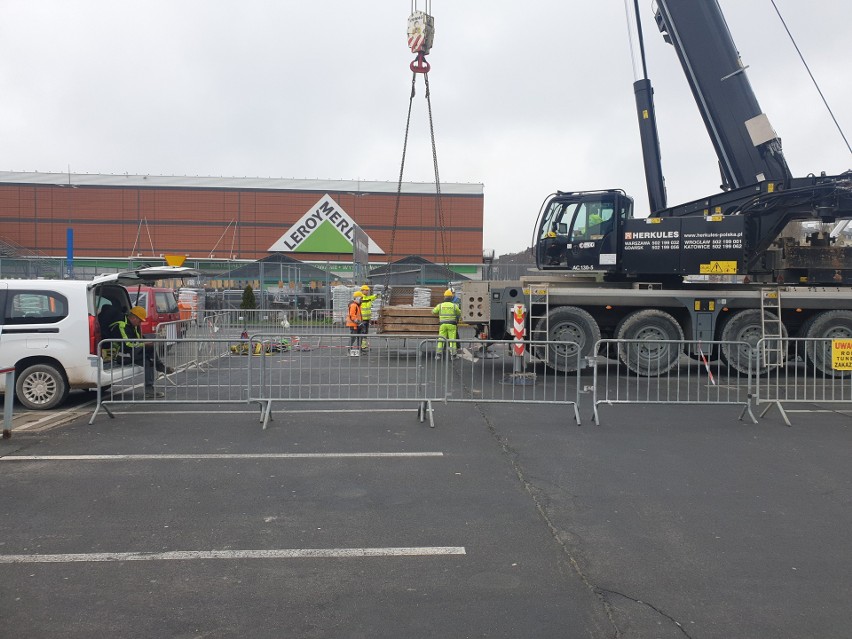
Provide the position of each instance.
(50, 330)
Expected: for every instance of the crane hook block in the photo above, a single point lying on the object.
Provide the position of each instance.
(421, 32)
(419, 64)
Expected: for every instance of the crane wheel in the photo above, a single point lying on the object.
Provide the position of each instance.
(826, 326)
(572, 334)
(648, 349)
(740, 335)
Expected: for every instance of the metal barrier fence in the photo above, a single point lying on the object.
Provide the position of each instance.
(324, 367)
(807, 370)
(200, 364)
(8, 400)
(236, 323)
(327, 368)
(495, 373)
(187, 371)
(672, 372)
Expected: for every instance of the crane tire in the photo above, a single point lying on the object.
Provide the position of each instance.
(835, 324)
(647, 351)
(740, 334)
(572, 334)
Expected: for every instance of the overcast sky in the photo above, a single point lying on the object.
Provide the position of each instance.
(528, 97)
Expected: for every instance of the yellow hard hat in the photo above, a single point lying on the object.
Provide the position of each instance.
(551, 234)
(365, 287)
(448, 293)
(357, 294)
(139, 312)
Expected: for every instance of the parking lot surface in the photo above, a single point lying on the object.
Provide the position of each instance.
(502, 521)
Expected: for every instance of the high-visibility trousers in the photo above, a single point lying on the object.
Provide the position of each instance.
(448, 332)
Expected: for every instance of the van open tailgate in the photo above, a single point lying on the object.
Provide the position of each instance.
(146, 275)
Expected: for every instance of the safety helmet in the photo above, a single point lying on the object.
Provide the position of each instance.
(365, 288)
(551, 234)
(357, 295)
(448, 293)
(139, 312)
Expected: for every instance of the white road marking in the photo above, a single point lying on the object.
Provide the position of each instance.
(816, 410)
(254, 412)
(213, 456)
(77, 411)
(308, 553)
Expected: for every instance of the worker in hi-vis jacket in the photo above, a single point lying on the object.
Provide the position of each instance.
(448, 313)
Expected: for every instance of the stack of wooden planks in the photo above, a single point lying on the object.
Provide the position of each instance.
(404, 295)
(400, 320)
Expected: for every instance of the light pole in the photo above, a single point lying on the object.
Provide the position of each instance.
(355, 197)
(488, 261)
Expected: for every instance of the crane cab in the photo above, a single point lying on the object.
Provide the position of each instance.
(579, 231)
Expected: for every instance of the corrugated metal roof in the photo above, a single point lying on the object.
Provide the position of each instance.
(284, 184)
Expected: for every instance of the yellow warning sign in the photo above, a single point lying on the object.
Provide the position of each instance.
(719, 268)
(175, 260)
(841, 354)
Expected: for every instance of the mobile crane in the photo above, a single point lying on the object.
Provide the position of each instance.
(626, 275)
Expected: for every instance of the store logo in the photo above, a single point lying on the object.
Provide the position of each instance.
(326, 228)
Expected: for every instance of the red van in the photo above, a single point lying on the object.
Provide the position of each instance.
(159, 303)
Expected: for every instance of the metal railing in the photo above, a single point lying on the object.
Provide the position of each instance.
(423, 369)
(815, 371)
(496, 373)
(236, 322)
(210, 363)
(8, 400)
(335, 367)
(189, 370)
(670, 372)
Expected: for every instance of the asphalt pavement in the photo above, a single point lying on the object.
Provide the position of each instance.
(361, 521)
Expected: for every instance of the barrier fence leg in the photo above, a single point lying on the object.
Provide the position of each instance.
(266, 414)
(747, 409)
(424, 409)
(780, 410)
(8, 402)
(99, 403)
(593, 362)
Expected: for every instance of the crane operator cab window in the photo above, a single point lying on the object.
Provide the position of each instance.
(593, 220)
(577, 228)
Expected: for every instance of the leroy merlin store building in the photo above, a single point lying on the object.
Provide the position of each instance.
(56, 224)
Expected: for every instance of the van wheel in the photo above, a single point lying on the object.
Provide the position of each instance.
(41, 387)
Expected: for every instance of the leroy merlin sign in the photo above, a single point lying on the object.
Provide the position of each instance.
(326, 228)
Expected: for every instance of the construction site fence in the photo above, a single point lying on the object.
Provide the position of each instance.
(187, 370)
(415, 368)
(671, 372)
(235, 323)
(804, 371)
(215, 363)
(8, 374)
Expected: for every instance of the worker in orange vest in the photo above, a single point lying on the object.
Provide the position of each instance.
(355, 323)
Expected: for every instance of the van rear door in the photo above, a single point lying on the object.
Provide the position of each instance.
(147, 275)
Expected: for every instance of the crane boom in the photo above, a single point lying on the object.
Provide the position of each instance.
(747, 146)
